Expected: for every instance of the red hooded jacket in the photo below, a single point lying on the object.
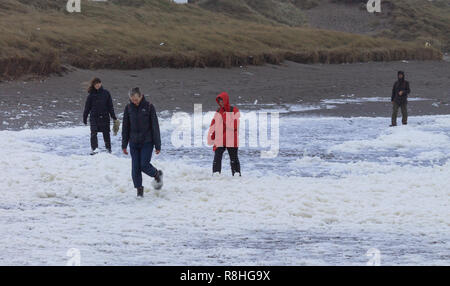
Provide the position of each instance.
(227, 133)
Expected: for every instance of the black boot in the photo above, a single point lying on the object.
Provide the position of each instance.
(140, 192)
(234, 161)
(158, 184)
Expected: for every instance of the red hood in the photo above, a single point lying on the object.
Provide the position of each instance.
(226, 100)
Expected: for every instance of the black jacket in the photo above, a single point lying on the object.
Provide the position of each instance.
(140, 125)
(99, 107)
(400, 85)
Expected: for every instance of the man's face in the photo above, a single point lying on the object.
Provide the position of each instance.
(98, 85)
(220, 101)
(136, 99)
(400, 76)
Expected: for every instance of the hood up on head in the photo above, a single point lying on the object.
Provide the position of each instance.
(226, 100)
(401, 73)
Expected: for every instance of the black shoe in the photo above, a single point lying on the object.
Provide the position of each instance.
(158, 183)
(392, 125)
(109, 151)
(140, 192)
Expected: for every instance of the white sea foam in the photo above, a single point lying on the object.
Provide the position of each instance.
(360, 100)
(399, 139)
(51, 202)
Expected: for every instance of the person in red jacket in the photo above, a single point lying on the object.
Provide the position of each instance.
(224, 134)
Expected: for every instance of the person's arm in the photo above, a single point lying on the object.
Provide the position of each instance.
(125, 129)
(393, 92)
(408, 90)
(87, 108)
(211, 132)
(111, 107)
(155, 128)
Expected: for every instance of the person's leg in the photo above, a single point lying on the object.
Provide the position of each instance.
(107, 139)
(217, 163)
(94, 140)
(146, 157)
(394, 113)
(136, 174)
(234, 160)
(404, 114)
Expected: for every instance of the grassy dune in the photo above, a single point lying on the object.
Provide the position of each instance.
(41, 38)
(420, 20)
(410, 20)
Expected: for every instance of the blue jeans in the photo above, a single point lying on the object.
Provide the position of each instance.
(141, 155)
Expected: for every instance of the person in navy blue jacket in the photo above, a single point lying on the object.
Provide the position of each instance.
(140, 130)
(99, 107)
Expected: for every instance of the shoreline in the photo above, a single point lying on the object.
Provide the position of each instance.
(61, 98)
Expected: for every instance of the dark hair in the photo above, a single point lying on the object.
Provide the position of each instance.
(93, 83)
(134, 91)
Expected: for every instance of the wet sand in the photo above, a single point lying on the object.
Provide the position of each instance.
(59, 100)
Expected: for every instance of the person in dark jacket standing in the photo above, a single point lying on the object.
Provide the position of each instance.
(223, 134)
(140, 129)
(399, 98)
(99, 107)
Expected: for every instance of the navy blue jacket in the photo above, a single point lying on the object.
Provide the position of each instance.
(99, 107)
(140, 125)
(400, 85)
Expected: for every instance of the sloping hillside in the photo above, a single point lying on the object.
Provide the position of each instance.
(283, 12)
(41, 38)
(424, 21)
(421, 20)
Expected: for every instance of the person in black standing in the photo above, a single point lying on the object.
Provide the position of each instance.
(99, 107)
(399, 98)
(141, 130)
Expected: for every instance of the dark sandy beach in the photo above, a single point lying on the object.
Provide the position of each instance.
(59, 100)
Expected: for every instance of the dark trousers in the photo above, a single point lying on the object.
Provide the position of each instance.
(141, 155)
(234, 160)
(106, 138)
(404, 108)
